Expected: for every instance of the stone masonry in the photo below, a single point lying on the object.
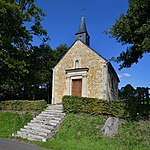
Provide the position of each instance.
(96, 81)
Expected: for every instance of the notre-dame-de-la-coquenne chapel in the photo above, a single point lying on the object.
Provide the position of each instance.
(84, 72)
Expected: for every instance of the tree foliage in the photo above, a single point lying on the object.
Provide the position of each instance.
(25, 70)
(127, 92)
(20, 20)
(141, 94)
(37, 83)
(133, 28)
(59, 52)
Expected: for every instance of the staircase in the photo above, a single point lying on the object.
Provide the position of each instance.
(44, 126)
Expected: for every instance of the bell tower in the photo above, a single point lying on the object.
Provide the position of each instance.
(82, 33)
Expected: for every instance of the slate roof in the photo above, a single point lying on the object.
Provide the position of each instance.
(82, 27)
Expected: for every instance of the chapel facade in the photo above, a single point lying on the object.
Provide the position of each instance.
(83, 72)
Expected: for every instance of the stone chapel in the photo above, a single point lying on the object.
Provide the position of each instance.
(84, 72)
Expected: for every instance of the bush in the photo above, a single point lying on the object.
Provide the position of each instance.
(23, 105)
(118, 108)
(143, 111)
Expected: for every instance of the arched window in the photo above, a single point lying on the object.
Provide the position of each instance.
(77, 64)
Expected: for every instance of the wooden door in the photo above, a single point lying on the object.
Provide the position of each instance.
(77, 87)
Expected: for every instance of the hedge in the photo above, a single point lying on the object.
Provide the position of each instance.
(23, 105)
(118, 108)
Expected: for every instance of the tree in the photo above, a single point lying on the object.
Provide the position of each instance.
(59, 52)
(37, 84)
(39, 66)
(20, 20)
(133, 29)
(25, 70)
(127, 92)
(41, 59)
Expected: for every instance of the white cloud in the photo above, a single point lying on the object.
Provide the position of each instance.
(124, 75)
(120, 76)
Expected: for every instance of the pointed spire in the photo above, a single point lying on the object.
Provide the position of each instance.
(82, 27)
(82, 33)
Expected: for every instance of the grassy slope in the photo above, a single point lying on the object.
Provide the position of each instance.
(83, 132)
(12, 122)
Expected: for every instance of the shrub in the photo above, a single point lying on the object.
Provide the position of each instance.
(23, 105)
(143, 111)
(118, 108)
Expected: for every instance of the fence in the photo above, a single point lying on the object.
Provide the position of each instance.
(143, 95)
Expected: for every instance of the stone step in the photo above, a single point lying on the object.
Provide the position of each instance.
(36, 132)
(43, 126)
(46, 122)
(44, 118)
(45, 130)
(52, 115)
(22, 133)
(30, 136)
(53, 121)
(39, 118)
(39, 125)
(54, 108)
(39, 130)
(52, 112)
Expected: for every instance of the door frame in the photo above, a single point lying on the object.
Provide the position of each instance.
(80, 73)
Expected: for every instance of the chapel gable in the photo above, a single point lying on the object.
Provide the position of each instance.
(83, 72)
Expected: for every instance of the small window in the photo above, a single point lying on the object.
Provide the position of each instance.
(77, 64)
(80, 37)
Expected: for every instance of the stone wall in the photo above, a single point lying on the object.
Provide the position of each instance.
(113, 81)
(96, 77)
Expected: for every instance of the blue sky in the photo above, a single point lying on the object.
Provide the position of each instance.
(62, 21)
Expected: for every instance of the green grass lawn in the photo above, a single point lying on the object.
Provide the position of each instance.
(12, 122)
(83, 132)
